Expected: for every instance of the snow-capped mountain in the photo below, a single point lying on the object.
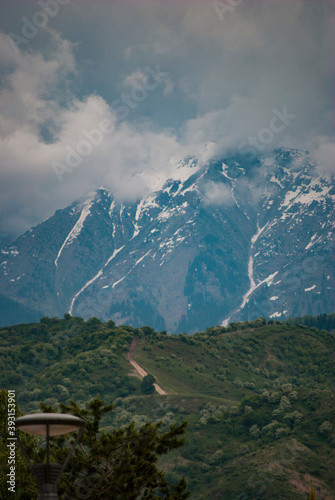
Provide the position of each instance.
(225, 241)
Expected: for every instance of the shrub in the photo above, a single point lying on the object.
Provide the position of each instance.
(243, 449)
(326, 428)
(254, 431)
(295, 417)
(93, 321)
(217, 457)
(147, 384)
(281, 432)
(249, 385)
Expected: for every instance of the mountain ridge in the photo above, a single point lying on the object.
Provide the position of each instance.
(230, 239)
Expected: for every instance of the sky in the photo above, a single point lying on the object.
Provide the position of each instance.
(114, 93)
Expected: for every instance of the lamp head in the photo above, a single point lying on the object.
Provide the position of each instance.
(49, 424)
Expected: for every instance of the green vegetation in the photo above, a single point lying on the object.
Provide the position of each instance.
(107, 465)
(321, 321)
(147, 384)
(258, 398)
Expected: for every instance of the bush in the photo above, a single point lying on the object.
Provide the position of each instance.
(326, 428)
(281, 432)
(249, 385)
(217, 457)
(93, 321)
(294, 417)
(254, 431)
(147, 330)
(147, 384)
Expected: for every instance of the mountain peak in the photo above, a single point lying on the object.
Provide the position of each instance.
(228, 239)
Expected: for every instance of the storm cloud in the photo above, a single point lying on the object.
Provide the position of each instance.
(114, 94)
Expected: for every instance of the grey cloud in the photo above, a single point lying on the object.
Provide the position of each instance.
(225, 79)
(217, 194)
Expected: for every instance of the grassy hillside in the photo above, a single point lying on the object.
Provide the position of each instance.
(259, 398)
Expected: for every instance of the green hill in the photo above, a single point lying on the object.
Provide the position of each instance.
(259, 398)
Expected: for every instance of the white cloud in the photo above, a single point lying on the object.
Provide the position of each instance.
(325, 155)
(217, 194)
(224, 80)
(136, 78)
(128, 160)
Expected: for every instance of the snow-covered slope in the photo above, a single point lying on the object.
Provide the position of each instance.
(218, 242)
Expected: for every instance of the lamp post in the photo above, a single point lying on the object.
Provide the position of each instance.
(49, 424)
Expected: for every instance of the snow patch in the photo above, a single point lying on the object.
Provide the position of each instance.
(311, 242)
(94, 278)
(225, 171)
(75, 231)
(140, 260)
(12, 251)
(139, 209)
(111, 208)
(136, 263)
(253, 286)
(276, 181)
(306, 197)
(276, 315)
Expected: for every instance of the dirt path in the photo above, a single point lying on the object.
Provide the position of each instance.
(140, 372)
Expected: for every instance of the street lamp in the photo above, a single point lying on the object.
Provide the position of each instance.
(49, 424)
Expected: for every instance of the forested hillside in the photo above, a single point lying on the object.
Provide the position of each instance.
(258, 398)
(321, 321)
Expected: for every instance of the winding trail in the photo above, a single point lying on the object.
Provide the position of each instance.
(141, 373)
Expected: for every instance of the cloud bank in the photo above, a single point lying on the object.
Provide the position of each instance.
(116, 93)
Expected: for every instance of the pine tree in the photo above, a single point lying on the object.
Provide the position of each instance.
(118, 465)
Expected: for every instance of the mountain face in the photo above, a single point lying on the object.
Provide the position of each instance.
(231, 240)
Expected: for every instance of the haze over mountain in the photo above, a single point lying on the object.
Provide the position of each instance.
(170, 76)
(231, 239)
